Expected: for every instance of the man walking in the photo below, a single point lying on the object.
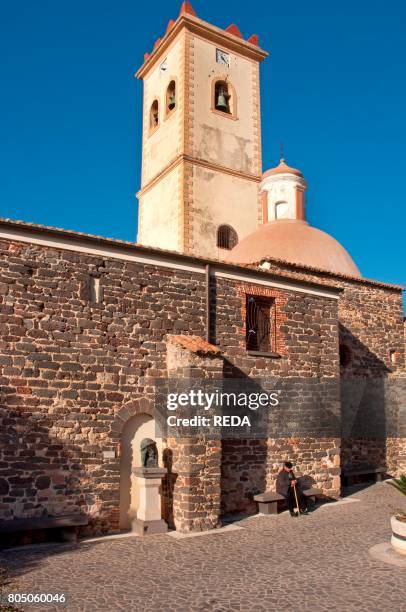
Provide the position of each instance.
(285, 485)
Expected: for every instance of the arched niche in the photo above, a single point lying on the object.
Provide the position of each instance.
(135, 429)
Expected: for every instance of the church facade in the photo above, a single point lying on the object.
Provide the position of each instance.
(226, 282)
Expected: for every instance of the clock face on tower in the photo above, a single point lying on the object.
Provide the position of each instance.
(222, 57)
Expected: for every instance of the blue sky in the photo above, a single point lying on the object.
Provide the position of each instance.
(333, 90)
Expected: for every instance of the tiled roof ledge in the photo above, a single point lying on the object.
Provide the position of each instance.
(195, 344)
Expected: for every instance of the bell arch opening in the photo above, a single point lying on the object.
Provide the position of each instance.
(170, 98)
(223, 98)
(154, 116)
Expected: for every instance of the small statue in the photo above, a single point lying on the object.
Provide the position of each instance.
(149, 453)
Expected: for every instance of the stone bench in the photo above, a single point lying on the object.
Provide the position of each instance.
(349, 475)
(268, 501)
(67, 525)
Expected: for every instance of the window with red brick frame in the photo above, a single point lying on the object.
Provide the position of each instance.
(260, 324)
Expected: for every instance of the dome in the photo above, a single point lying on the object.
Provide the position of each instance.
(297, 242)
(282, 168)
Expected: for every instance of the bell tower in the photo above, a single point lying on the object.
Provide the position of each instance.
(201, 143)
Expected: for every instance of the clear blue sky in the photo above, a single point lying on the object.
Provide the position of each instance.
(333, 90)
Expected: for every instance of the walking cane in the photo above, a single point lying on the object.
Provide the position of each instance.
(297, 501)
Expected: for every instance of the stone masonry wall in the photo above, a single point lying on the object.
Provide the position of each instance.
(251, 466)
(371, 326)
(307, 341)
(73, 371)
(307, 345)
(70, 368)
(196, 460)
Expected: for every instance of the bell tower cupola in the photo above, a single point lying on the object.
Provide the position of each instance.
(201, 142)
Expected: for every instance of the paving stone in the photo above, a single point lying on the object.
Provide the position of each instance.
(313, 563)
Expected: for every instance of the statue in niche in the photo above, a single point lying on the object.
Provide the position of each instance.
(149, 453)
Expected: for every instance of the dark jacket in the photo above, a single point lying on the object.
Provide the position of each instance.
(283, 482)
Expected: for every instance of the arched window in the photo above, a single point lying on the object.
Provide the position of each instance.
(154, 116)
(171, 97)
(226, 237)
(223, 99)
(281, 210)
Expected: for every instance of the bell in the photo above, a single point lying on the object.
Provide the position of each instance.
(221, 103)
(172, 102)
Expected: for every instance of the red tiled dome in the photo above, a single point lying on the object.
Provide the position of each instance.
(283, 168)
(297, 242)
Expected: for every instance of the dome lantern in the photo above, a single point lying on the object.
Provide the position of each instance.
(285, 235)
(283, 190)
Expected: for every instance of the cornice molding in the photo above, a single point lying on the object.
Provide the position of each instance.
(101, 247)
(11, 229)
(209, 32)
(197, 162)
(269, 181)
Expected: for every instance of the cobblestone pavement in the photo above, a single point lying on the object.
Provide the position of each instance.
(314, 563)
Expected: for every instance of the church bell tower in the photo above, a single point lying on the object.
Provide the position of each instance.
(201, 142)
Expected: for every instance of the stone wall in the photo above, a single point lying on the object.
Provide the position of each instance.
(73, 371)
(371, 326)
(196, 460)
(307, 345)
(307, 332)
(251, 466)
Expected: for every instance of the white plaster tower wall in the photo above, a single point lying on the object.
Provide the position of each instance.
(230, 140)
(201, 168)
(225, 189)
(159, 212)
